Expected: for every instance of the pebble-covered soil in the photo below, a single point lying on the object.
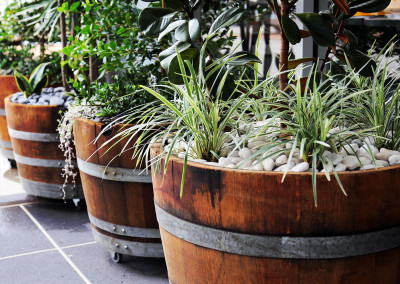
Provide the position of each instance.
(357, 155)
(49, 96)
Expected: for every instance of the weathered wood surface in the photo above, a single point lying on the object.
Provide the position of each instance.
(123, 203)
(254, 202)
(37, 119)
(7, 87)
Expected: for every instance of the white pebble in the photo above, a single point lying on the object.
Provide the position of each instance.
(225, 151)
(336, 159)
(284, 167)
(212, 164)
(245, 164)
(367, 167)
(202, 161)
(340, 167)
(394, 160)
(366, 151)
(353, 163)
(268, 164)
(357, 141)
(302, 167)
(231, 166)
(233, 154)
(351, 148)
(382, 163)
(281, 160)
(257, 166)
(256, 145)
(245, 153)
(223, 162)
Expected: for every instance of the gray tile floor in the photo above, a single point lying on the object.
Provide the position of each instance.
(47, 241)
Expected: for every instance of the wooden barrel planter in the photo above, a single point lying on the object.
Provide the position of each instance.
(34, 137)
(7, 87)
(238, 226)
(119, 199)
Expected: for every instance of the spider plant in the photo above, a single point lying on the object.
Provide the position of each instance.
(379, 107)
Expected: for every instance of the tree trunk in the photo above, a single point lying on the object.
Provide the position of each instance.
(283, 60)
(64, 72)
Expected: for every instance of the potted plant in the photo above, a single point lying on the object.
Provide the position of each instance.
(109, 61)
(234, 196)
(32, 118)
(15, 53)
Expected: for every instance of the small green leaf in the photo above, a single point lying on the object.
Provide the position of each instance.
(291, 30)
(152, 21)
(320, 29)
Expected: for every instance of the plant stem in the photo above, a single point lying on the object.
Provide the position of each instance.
(63, 30)
(284, 54)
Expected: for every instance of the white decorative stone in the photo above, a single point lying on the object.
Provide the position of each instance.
(357, 141)
(181, 155)
(370, 140)
(284, 167)
(234, 154)
(336, 159)
(289, 145)
(329, 168)
(245, 164)
(256, 145)
(245, 153)
(256, 166)
(223, 162)
(225, 151)
(367, 167)
(201, 161)
(302, 167)
(382, 163)
(231, 166)
(273, 150)
(281, 160)
(340, 167)
(367, 150)
(236, 160)
(212, 164)
(353, 163)
(351, 148)
(394, 160)
(268, 164)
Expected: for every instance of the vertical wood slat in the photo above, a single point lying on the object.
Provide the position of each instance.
(258, 203)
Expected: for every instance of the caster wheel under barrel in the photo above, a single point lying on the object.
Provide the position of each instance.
(13, 163)
(116, 257)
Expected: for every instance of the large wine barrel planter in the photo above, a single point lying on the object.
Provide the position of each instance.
(34, 137)
(119, 199)
(7, 87)
(238, 226)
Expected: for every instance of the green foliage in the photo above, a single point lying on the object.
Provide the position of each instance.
(178, 22)
(109, 33)
(37, 81)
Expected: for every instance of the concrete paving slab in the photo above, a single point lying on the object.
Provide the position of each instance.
(95, 262)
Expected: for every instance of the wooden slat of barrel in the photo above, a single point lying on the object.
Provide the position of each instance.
(32, 121)
(123, 203)
(7, 87)
(258, 203)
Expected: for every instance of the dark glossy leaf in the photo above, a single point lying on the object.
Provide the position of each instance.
(37, 75)
(362, 63)
(243, 58)
(226, 19)
(291, 30)
(174, 71)
(369, 6)
(181, 46)
(336, 69)
(342, 5)
(172, 26)
(320, 29)
(152, 21)
(188, 32)
(41, 84)
(352, 43)
(176, 4)
(22, 82)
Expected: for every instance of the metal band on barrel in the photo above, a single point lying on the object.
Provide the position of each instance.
(5, 144)
(279, 246)
(113, 173)
(51, 190)
(9, 154)
(32, 136)
(40, 162)
(125, 230)
(129, 247)
(2, 112)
